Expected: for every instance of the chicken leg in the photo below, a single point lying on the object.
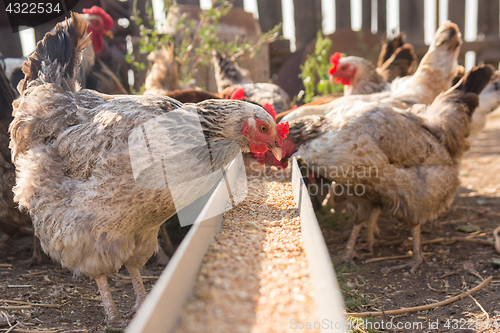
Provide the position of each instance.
(140, 292)
(36, 258)
(349, 252)
(113, 318)
(418, 257)
(372, 228)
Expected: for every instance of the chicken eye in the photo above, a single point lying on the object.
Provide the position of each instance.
(263, 128)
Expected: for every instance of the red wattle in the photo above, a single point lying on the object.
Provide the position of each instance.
(97, 41)
(258, 148)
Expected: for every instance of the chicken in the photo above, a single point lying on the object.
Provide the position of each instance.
(94, 74)
(229, 76)
(400, 64)
(11, 218)
(359, 76)
(403, 163)
(228, 73)
(434, 74)
(489, 101)
(163, 75)
(94, 207)
(389, 48)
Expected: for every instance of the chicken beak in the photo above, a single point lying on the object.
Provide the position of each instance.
(277, 152)
(108, 33)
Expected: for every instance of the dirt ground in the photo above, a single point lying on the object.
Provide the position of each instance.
(79, 306)
(449, 270)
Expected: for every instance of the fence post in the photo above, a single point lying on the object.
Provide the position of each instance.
(381, 16)
(343, 14)
(308, 19)
(456, 14)
(189, 2)
(487, 26)
(366, 15)
(270, 14)
(411, 20)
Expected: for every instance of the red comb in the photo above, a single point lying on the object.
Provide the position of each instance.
(107, 20)
(270, 109)
(282, 129)
(334, 59)
(238, 94)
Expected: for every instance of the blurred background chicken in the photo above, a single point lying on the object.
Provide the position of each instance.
(72, 150)
(94, 73)
(230, 76)
(434, 74)
(11, 219)
(163, 76)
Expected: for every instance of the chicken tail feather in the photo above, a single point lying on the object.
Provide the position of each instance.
(473, 83)
(58, 56)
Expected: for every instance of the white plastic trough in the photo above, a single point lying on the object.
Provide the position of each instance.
(162, 309)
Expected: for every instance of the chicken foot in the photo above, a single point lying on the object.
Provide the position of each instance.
(349, 252)
(113, 318)
(140, 292)
(418, 257)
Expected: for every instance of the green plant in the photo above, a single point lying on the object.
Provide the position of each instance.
(353, 297)
(194, 40)
(314, 72)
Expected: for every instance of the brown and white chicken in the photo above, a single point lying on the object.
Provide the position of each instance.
(91, 208)
(360, 77)
(403, 163)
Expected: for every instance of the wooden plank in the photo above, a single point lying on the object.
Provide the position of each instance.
(270, 14)
(456, 13)
(162, 308)
(487, 18)
(488, 27)
(411, 19)
(237, 3)
(366, 15)
(381, 16)
(308, 17)
(343, 14)
(189, 2)
(327, 294)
